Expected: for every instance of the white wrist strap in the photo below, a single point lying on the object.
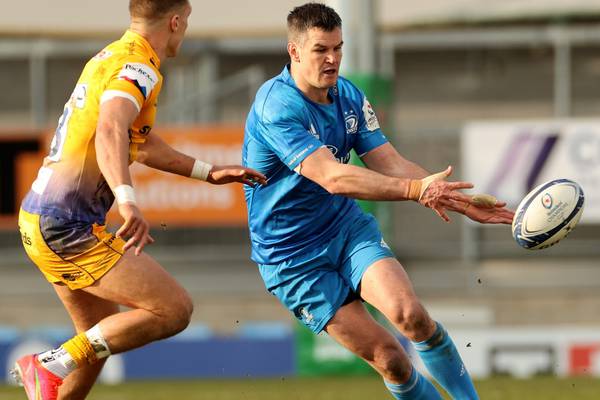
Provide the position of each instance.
(200, 170)
(124, 194)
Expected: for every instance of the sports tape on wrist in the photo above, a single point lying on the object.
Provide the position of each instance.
(124, 194)
(414, 189)
(200, 170)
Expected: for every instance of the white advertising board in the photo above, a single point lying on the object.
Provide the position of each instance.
(509, 158)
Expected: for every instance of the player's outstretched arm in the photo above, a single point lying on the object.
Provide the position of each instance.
(112, 153)
(386, 160)
(156, 153)
(489, 211)
(486, 210)
(364, 184)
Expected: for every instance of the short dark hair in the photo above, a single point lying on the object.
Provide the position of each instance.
(153, 9)
(312, 15)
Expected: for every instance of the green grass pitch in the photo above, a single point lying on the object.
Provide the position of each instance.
(350, 388)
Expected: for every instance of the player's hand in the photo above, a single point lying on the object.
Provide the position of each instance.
(484, 211)
(135, 229)
(436, 191)
(222, 174)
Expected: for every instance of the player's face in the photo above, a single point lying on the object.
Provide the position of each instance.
(320, 56)
(179, 24)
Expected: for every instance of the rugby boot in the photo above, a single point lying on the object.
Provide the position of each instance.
(38, 382)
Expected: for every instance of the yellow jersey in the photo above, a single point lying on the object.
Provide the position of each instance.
(69, 184)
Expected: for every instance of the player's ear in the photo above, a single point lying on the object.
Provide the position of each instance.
(293, 51)
(174, 23)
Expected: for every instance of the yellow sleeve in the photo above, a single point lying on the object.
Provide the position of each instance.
(131, 80)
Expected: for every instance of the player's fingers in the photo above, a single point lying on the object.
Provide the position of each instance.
(441, 213)
(255, 174)
(449, 171)
(502, 219)
(500, 204)
(451, 205)
(124, 228)
(134, 228)
(508, 214)
(454, 195)
(262, 181)
(133, 233)
(256, 177)
(249, 182)
(149, 239)
(129, 244)
(140, 245)
(459, 185)
(127, 233)
(143, 240)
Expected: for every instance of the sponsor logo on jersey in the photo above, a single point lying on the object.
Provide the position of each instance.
(351, 121)
(306, 316)
(383, 244)
(300, 154)
(141, 76)
(103, 55)
(71, 277)
(334, 150)
(370, 117)
(26, 239)
(313, 132)
(144, 130)
(79, 95)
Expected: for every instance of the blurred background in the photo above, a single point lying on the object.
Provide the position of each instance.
(507, 92)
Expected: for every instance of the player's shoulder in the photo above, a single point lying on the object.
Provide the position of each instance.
(277, 99)
(347, 89)
(129, 54)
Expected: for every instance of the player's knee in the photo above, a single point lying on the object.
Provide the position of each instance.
(393, 364)
(412, 320)
(179, 313)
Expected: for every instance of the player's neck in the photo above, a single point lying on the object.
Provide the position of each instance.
(318, 95)
(156, 40)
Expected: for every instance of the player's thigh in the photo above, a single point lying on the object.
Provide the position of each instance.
(354, 328)
(140, 282)
(85, 309)
(386, 284)
(387, 287)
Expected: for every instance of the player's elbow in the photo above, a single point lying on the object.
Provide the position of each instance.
(142, 154)
(333, 184)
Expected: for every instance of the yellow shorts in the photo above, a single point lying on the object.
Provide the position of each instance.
(74, 253)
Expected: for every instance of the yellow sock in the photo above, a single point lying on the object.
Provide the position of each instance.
(81, 350)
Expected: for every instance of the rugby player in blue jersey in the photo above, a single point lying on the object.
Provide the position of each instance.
(316, 250)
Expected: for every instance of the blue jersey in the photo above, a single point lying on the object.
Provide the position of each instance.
(292, 213)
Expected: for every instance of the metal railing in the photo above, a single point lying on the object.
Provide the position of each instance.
(200, 104)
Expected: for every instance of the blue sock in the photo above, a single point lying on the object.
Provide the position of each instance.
(417, 388)
(445, 365)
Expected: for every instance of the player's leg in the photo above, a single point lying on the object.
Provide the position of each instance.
(85, 311)
(380, 280)
(311, 287)
(354, 328)
(387, 287)
(160, 308)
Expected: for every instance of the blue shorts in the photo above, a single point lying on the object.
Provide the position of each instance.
(316, 284)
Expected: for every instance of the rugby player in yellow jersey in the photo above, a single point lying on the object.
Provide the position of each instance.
(105, 126)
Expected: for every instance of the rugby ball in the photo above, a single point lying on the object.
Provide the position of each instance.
(547, 214)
